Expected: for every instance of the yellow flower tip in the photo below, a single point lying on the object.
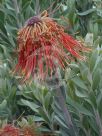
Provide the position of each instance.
(44, 13)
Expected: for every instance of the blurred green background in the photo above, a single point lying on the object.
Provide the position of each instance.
(24, 104)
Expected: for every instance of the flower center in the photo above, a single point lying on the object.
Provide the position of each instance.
(33, 20)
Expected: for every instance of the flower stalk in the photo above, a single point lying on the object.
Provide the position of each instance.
(60, 100)
(43, 46)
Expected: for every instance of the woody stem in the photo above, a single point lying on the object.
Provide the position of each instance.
(66, 114)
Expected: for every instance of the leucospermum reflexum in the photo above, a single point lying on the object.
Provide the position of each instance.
(41, 42)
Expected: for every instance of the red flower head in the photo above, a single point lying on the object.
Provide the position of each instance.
(9, 130)
(42, 43)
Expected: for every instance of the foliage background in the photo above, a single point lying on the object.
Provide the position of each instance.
(24, 104)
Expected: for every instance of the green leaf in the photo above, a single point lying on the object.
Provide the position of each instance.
(32, 105)
(25, 5)
(81, 93)
(48, 100)
(44, 115)
(79, 107)
(3, 104)
(60, 121)
(86, 12)
(79, 83)
(38, 119)
(96, 79)
(93, 60)
(74, 67)
(92, 99)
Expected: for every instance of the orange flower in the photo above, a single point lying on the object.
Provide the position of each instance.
(43, 45)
